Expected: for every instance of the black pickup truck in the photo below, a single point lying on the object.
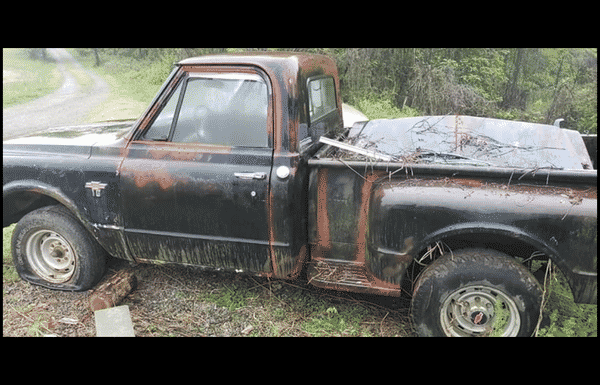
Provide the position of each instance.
(243, 162)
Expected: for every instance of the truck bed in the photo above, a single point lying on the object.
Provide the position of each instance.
(379, 214)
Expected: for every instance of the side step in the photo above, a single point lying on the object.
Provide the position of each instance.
(338, 274)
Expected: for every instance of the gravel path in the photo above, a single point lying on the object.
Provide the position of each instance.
(68, 105)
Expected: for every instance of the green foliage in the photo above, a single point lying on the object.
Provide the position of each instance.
(501, 315)
(529, 84)
(383, 107)
(333, 322)
(564, 318)
(231, 297)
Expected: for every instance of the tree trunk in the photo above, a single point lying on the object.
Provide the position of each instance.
(97, 56)
(512, 91)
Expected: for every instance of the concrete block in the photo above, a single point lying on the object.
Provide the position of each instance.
(114, 322)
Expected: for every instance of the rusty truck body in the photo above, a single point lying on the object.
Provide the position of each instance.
(227, 168)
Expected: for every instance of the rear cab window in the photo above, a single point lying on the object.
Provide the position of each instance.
(322, 98)
(323, 116)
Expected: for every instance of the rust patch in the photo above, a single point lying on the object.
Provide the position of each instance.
(271, 231)
(142, 177)
(468, 182)
(299, 261)
(323, 246)
(361, 236)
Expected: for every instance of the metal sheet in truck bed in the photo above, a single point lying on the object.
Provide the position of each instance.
(458, 139)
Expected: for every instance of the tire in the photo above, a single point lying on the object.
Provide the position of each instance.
(51, 248)
(461, 294)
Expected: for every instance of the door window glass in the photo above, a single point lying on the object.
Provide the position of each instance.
(160, 128)
(223, 109)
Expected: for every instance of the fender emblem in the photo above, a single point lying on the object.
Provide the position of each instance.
(96, 187)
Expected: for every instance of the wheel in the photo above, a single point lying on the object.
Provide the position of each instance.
(476, 292)
(52, 249)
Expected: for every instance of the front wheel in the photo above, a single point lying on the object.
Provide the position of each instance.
(52, 249)
(476, 292)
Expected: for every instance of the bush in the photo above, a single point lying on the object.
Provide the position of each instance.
(382, 107)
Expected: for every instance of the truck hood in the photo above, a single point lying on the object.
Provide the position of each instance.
(71, 140)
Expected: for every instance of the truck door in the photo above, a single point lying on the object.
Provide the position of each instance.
(196, 178)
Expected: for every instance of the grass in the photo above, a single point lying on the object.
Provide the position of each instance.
(28, 79)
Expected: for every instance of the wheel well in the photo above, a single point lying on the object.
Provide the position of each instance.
(503, 243)
(17, 205)
(522, 251)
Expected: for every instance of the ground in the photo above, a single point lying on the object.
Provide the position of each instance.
(184, 302)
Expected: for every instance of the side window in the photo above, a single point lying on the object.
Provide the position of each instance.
(160, 128)
(321, 97)
(224, 109)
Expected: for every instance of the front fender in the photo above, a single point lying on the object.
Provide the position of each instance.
(20, 197)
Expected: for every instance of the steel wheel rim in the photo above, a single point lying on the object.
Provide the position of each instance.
(51, 256)
(470, 311)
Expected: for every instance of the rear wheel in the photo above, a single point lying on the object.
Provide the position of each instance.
(52, 249)
(476, 292)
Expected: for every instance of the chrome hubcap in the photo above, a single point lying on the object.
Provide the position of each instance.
(473, 311)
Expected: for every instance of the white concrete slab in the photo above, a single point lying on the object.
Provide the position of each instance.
(114, 322)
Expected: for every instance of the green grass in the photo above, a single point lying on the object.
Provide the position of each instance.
(232, 297)
(30, 79)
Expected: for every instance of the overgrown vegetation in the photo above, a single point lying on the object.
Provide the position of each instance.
(563, 317)
(530, 84)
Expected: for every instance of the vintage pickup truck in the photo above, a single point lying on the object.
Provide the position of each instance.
(227, 168)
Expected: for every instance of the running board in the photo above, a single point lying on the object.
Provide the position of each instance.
(344, 275)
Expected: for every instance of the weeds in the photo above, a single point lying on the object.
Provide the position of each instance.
(331, 322)
(501, 315)
(564, 318)
(231, 297)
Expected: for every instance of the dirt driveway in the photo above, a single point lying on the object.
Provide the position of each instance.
(68, 105)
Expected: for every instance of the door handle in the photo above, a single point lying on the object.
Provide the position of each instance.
(250, 175)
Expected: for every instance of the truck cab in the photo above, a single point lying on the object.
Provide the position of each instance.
(214, 173)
